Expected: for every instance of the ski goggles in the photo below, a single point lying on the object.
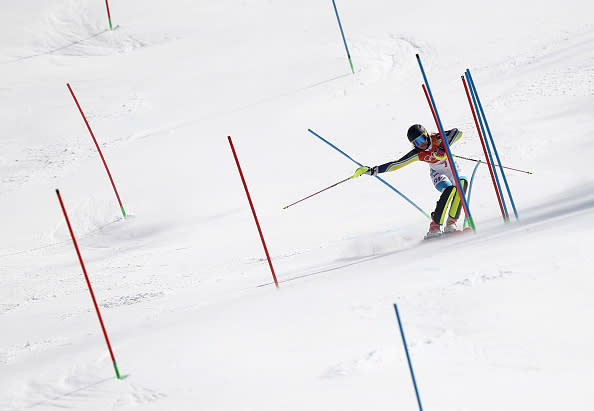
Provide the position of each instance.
(420, 140)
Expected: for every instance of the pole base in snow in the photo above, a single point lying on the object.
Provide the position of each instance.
(115, 366)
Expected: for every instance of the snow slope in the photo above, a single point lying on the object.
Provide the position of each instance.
(496, 320)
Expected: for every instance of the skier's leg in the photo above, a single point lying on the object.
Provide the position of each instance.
(443, 185)
(455, 207)
(442, 205)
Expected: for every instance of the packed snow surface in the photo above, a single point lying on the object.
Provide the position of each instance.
(500, 319)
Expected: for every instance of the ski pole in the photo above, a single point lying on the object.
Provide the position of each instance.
(327, 188)
(497, 165)
(378, 177)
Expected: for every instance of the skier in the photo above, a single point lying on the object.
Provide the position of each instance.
(428, 148)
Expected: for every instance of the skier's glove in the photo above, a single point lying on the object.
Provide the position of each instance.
(372, 171)
(439, 154)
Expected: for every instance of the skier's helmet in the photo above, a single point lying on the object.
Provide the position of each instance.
(417, 134)
(415, 131)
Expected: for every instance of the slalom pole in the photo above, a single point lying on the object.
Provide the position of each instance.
(496, 165)
(379, 178)
(445, 143)
(483, 138)
(412, 374)
(327, 188)
(472, 180)
(488, 156)
(466, 220)
(82, 264)
(470, 189)
(98, 149)
(253, 211)
(473, 86)
(108, 15)
(343, 38)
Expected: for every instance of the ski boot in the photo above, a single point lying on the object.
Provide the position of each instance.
(434, 231)
(450, 226)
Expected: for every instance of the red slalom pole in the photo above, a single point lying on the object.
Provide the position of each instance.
(82, 264)
(108, 15)
(253, 211)
(478, 129)
(98, 149)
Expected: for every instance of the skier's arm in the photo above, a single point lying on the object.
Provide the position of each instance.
(453, 135)
(405, 160)
(410, 157)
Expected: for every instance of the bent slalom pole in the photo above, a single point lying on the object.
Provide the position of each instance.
(466, 222)
(496, 165)
(471, 181)
(98, 150)
(321, 191)
(379, 178)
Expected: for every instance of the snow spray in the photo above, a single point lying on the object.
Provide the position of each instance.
(253, 211)
(482, 113)
(343, 38)
(99, 150)
(379, 178)
(82, 264)
(487, 152)
(412, 374)
(445, 143)
(108, 15)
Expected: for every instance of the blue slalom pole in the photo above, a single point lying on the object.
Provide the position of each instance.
(359, 164)
(492, 143)
(471, 181)
(447, 146)
(480, 119)
(412, 374)
(470, 186)
(343, 38)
